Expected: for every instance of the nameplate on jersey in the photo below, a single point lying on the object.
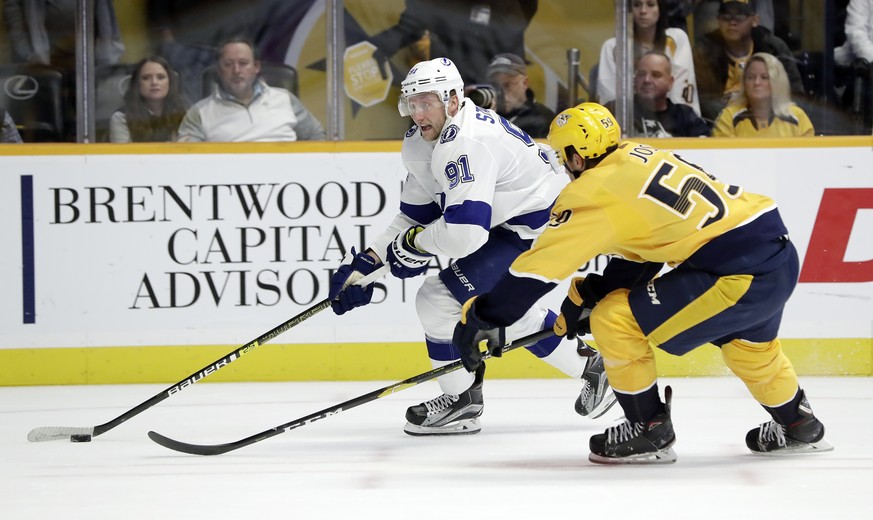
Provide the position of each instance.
(449, 134)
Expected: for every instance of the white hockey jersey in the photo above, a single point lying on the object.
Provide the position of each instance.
(481, 173)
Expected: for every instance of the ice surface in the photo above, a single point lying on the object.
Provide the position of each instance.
(530, 460)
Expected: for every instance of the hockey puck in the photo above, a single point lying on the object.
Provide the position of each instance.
(80, 438)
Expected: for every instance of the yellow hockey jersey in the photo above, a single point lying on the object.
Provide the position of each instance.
(645, 205)
(738, 121)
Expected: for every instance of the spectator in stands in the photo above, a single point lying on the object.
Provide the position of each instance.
(859, 34)
(678, 11)
(652, 34)
(188, 32)
(8, 131)
(45, 32)
(655, 115)
(857, 53)
(508, 73)
(705, 16)
(470, 33)
(153, 105)
(244, 108)
(762, 107)
(721, 55)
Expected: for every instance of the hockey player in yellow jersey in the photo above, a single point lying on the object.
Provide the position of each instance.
(733, 269)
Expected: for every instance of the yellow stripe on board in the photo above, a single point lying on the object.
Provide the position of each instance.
(199, 148)
(698, 143)
(363, 362)
(686, 143)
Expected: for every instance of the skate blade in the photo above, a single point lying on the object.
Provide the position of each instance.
(665, 456)
(608, 402)
(462, 427)
(800, 449)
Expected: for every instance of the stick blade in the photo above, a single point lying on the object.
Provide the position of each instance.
(57, 433)
(193, 449)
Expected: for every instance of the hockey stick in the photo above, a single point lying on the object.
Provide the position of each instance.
(218, 449)
(85, 433)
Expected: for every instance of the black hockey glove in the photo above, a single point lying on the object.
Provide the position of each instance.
(344, 295)
(470, 331)
(405, 259)
(574, 319)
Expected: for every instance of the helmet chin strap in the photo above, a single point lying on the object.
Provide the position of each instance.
(449, 117)
(447, 123)
(575, 173)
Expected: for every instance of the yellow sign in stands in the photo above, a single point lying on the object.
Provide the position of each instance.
(363, 80)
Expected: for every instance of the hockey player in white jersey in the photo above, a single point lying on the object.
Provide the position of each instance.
(478, 190)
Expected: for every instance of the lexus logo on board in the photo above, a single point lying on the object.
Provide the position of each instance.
(123, 84)
(21, 87)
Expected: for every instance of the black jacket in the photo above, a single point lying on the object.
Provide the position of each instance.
(676, 121)
(468, 33)
(532, 117)
(711, 64)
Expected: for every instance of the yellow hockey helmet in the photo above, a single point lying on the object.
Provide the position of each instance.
(589, 128)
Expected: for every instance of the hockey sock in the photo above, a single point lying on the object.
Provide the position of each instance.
(443, 353)
(787, 413)
(639, 407)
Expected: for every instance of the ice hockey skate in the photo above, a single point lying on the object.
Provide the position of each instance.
(596, 397)
(649, 442)
(449, 414)
(803, 436)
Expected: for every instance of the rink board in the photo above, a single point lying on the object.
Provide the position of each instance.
(142, 263)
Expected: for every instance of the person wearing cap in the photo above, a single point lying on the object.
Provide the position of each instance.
(508, 72)
(705, 15)
(721, 55)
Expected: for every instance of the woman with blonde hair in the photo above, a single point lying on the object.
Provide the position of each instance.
(763, 107)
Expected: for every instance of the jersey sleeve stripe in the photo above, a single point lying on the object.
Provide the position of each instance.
(421, 213)
(473, 212)
(533, 220)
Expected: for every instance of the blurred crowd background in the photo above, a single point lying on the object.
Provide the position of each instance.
(66, 66)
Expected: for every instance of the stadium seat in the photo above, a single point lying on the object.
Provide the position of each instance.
(111, 82)
(34, 97)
